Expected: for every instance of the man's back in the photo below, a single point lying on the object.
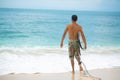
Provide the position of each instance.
(73, 30)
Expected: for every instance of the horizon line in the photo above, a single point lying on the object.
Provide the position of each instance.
(58, 9)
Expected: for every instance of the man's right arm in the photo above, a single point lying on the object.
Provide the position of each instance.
(63, 36)
(83, 38)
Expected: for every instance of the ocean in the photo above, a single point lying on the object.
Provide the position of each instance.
(30, 39)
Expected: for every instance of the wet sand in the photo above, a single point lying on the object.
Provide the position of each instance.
(103, 74)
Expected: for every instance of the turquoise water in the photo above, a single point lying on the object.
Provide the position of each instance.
(23, 27)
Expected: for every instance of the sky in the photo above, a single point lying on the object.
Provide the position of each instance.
(85, 5)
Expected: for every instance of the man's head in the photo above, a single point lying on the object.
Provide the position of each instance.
(74, 17)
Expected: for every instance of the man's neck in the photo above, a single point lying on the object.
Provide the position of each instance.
(73, 22)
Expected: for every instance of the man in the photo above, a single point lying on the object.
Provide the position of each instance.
(74, 48)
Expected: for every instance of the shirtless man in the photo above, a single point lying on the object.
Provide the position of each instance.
(74, 48)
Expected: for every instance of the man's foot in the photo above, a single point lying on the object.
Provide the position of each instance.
(73, 72)
(81, 69)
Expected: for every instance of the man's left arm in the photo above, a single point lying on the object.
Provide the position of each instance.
(83, 38)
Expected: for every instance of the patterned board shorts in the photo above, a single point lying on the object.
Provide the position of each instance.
(74, 49)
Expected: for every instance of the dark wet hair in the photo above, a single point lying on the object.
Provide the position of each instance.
(74, 17)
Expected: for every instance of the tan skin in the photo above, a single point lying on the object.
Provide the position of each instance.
(73, 30)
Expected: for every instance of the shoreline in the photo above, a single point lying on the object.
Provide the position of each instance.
(103, 74)
(32, 61)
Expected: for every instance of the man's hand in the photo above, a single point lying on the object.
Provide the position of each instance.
(61, 45)
(85, 47)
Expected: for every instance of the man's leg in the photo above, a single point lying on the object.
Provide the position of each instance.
(71, 56)
(72, 64)
(79, 62)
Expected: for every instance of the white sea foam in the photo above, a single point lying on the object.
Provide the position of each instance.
(54, 60)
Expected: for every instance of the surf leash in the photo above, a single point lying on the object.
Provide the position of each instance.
(86, 69)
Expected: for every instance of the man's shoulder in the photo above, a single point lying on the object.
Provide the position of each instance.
(68, 25)
(79, 25)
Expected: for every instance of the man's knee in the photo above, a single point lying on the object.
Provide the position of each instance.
(77, 57)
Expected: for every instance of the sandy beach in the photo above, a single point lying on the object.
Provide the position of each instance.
(104, 74)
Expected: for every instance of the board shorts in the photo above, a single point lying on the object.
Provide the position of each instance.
(74, 49)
